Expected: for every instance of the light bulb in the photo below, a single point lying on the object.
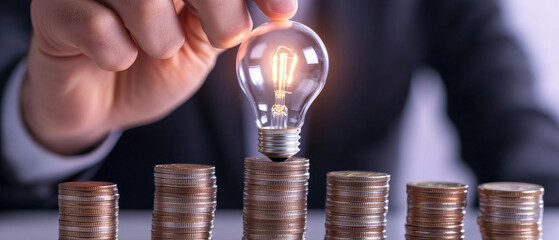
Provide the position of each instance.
(281, 67)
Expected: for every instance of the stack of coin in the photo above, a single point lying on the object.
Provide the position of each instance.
(88, 210)
(510, 210)
(185, 201)
(275, 198)
(356, 205)
(436, 210)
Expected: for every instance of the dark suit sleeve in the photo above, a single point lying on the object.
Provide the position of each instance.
(15, 32)
(505, 135)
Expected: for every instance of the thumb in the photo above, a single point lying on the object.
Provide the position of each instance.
(278, 9)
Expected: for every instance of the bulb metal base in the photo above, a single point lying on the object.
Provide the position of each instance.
(279, 144)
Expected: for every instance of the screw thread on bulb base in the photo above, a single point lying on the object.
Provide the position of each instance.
(279, 144)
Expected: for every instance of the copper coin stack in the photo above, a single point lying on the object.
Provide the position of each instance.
(275, 198)
(356, 205)
(184, 202)
(510, 210)
(436, 210)
(88, 210)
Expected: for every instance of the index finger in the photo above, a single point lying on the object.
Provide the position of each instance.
(225, 22)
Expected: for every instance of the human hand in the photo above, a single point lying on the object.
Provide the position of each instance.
(98, 65)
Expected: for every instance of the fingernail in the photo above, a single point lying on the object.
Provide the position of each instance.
(283, 6)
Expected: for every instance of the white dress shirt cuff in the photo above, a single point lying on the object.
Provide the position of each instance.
(30, 162)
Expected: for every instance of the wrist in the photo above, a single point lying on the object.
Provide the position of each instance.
(54, 130)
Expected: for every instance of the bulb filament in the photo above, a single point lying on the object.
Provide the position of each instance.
(283, 65)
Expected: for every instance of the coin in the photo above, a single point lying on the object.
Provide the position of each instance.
(187, 190)
(262, 162)
(510, 210)
(208, 229)
(155, 234)
(354, 193)
(437, 187)
(275, 198)
(356, 199)
(273, 172)
(88, 229)
(272, 235)
(436, 210)
(86, 199)
(292, 165)
(293, 177)
(88, 210)
(184, 176)
(71, 211)
(98, 234)
(96, 238)
(88, 219)
(359, 176)
(86, 192)
(357, 188)
(350, 183)
(184, 168)
(62, 222)
(185, 182)
(84, 204)
(87, 186)
(184, 201)
(356, 205)
(511, 189)
(377, 234)
(169, 194)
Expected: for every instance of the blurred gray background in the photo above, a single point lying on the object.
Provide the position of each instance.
(428, 139)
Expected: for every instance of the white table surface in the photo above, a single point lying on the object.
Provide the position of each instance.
(136, 225)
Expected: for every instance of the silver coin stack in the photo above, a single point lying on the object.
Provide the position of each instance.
(510, 210)
(356, 205)
(88, 210)
(185, 201)
(275, 198)
(436, 210)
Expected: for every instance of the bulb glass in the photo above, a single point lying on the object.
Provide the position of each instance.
(282, 67)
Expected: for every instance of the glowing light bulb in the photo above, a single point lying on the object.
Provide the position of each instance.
(281, 67)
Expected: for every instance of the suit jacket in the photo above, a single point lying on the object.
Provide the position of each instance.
(374, 48)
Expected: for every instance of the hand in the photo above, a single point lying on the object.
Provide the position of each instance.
(98, 65)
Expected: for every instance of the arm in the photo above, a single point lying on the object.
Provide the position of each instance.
(504, 133)
(96, 66)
